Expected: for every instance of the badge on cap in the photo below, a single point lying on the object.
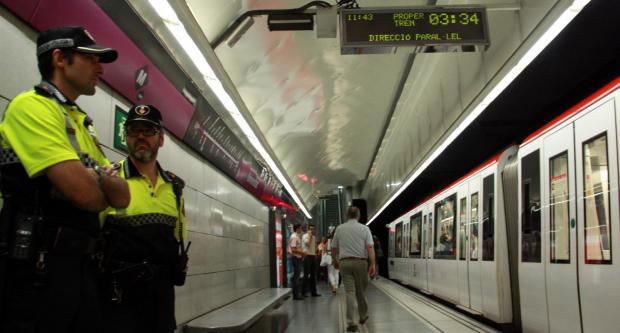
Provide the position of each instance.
(89, 35)
(143, 110)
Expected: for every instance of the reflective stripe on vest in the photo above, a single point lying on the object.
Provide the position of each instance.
(8, 155)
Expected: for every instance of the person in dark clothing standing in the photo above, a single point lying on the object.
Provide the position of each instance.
(145, 254)
(54, 179)
(308, 243)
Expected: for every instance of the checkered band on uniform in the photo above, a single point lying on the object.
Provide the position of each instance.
(87, 161)
(143, 219)
(8, 156)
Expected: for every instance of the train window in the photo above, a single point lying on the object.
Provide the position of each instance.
(415, 239)
(488, 218)
(596, 201)
(462, 229)
(473, 230)
(559, 227)
(530, 200)
(399, 241)
(445, 228)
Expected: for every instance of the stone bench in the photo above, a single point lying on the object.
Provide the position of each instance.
(240, 314)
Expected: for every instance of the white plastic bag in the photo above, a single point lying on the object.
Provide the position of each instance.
(326, 260)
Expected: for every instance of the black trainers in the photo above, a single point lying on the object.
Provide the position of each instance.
(316, 295)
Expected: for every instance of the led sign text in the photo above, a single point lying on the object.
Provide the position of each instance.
(380, 27)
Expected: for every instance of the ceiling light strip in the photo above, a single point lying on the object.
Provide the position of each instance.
(172, 22)
(563, 20)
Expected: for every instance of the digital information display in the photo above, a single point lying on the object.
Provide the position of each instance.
(379, 27)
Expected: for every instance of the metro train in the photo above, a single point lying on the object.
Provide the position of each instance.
(534, 229)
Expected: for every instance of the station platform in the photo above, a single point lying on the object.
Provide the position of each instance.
(392, 308)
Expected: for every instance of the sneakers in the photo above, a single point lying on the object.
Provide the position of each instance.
(352, 328)
(316, 295)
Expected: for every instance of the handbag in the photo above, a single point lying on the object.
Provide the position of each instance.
(326, 260)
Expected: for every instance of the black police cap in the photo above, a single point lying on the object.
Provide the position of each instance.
(146, 113)
(76, 38)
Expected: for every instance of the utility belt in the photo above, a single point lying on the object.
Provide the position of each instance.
(32, 220)
(121, 275)
(31, 245)
(32, 235)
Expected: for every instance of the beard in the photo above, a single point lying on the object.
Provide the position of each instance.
(144, 155)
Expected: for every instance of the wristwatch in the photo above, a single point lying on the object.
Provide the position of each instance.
(102, 174)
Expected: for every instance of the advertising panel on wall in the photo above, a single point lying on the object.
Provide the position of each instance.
(279, 258)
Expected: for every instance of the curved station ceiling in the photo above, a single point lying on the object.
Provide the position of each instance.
(369, 121)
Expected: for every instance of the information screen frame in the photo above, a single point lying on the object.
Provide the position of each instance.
(347, 39)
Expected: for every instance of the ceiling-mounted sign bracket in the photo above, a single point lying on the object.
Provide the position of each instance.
(424, 29)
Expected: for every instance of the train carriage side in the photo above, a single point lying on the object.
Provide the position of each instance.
(447, 239)
(466, 268)
(568, 203)
(567, 224)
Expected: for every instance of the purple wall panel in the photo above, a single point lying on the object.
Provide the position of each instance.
(177, 111)
(23, 8)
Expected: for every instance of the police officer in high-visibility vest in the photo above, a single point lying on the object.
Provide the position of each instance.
(54, 180)
(145, 254)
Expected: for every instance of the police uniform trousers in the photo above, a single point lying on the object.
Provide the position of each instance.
(64, 300)
(144, 307)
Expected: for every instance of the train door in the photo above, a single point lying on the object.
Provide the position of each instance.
(429, 250)
(463, 245)
(407, 266)
(474, 250)
(392, 252)
(559, 230)
(398, 251)
(415, 250)
(426, 231)
(531, 242)
(597, 212)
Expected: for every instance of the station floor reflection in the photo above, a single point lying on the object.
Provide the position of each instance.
(393, 308)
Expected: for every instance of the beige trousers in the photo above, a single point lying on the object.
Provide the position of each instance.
(355, 279)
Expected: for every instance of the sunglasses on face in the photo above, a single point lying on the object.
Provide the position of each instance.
(145, 131)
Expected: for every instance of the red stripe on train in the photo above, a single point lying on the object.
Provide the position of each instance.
(595, 97)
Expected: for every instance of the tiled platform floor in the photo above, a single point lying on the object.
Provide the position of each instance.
(393, 308)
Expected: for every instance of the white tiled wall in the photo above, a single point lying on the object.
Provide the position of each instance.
(227, 226)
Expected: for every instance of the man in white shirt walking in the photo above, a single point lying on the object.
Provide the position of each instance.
(352, 246)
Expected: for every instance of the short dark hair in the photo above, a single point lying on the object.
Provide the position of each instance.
(353, 212)
(45, 63)
(296, 226)
(310, 225)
